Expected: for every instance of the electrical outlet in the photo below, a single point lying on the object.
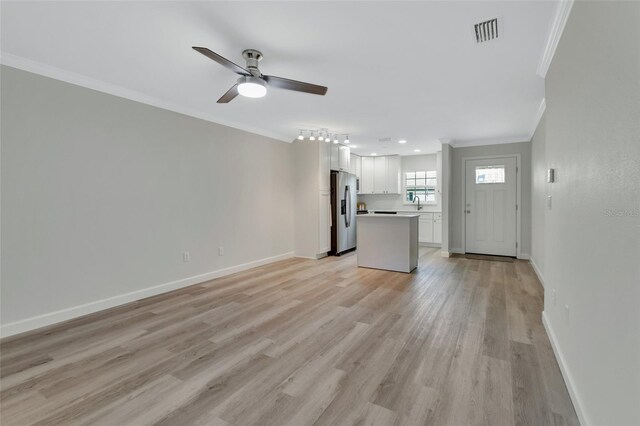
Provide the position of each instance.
(566, 313)
(186, 257)
(220, 251)
(549, 202)
(554, 298)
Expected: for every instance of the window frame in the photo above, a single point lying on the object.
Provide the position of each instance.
(433, 187)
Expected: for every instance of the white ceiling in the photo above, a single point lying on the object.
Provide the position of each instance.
(403, 70)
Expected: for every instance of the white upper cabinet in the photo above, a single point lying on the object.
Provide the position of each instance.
(335, 156)
(393, 174)
(325, 167)
(344, 161)
(356, 165)
(366, 180)
(380, 175)
(340, 157)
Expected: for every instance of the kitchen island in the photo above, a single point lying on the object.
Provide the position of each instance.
(388, 241)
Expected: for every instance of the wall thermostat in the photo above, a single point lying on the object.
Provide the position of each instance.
(551, 175)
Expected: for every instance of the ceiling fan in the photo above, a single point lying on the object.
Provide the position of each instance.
(252, 83)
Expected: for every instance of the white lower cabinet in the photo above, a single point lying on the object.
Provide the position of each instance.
(324, 225)
(437, 228)
(425, 230)
(430, 228)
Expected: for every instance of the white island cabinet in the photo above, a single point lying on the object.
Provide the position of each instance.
(388, 241)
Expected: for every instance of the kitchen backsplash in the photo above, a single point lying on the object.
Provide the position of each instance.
(393, 202)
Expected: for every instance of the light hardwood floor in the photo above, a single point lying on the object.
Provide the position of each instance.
(299, 342)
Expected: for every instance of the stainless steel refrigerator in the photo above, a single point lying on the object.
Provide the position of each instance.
(344, 189)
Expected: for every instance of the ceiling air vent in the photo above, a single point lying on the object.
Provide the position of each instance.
(486, 30)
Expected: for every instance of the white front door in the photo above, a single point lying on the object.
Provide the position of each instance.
(490, 206)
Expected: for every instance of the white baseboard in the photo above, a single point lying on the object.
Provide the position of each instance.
(524, 256)
(456, 250)
(445, 253)
(33, 323)
(564, 369)
(537, 270)
(307, 257)
(434, 245)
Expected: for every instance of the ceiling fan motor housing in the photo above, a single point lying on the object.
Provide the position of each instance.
(252, 57)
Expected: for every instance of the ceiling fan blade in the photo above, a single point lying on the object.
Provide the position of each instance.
(222, 60)
(228, 97)
(298, 86)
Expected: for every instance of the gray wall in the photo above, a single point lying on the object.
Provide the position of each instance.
(101, 196)
(592, 232)
(456, 236)
(538, 197)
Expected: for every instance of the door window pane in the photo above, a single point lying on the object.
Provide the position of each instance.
(490, 174)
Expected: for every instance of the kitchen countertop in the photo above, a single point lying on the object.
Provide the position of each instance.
(396, 216)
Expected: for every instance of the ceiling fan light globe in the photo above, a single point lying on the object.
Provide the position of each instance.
(252, 87)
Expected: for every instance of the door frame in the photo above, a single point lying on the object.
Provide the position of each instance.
(518, 198)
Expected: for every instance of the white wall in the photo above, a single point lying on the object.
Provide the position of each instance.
(101, 196)
(592, 232)
(396, 201)
(456, 236)
(447, 188)
(538, 198)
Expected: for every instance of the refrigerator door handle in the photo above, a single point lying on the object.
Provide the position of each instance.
(347, 196)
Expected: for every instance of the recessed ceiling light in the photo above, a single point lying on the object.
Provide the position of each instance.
(402, 141)
(373, 154)
(416, 150)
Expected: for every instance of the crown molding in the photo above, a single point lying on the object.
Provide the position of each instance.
(494, 141)
(39, 68)
(557, 27)
(541, 109)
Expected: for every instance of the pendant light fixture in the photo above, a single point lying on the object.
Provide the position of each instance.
(300, 137)
(346, 139)
(313, 136)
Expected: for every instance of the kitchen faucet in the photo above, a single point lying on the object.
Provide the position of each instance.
(415, 197)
